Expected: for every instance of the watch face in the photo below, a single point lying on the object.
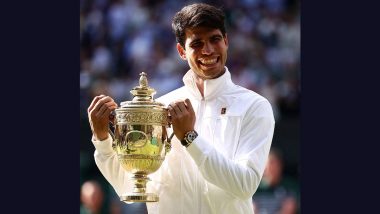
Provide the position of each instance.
(191, 136)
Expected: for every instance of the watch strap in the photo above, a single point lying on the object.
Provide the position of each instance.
(185, 143)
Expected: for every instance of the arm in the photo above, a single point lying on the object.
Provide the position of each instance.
(240, 176)
(107, 162)
(105, 158)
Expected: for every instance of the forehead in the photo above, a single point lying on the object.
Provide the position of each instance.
(201, 33)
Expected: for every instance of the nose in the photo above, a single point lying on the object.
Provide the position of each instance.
(207, 49)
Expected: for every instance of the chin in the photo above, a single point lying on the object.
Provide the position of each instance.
(216, 74)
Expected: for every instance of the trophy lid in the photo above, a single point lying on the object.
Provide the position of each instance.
(142, 95)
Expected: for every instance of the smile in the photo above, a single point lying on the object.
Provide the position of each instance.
(208, 61)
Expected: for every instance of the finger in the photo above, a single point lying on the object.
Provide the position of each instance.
(107, 112)
(102, 101)
(176, 109)
(113, 113)
(171, 111)
(104, 115)
(189, 106)
(106, 99)
(101, 110)
(94, 101)
(173, 114)
(106, 106)
(182, 107)
(112, 104)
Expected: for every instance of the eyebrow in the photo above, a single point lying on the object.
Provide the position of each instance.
(216, 36)
(211, 37)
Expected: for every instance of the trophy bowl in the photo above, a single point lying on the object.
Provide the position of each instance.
(140, 139)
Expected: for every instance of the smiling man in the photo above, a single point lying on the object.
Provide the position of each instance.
(206, 52)
(223, 131)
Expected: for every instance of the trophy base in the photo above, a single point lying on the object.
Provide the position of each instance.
(139, 197)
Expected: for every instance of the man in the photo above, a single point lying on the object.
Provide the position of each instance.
(223, 131)
(92, 197)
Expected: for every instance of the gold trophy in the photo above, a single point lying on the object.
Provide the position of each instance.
(140, 139)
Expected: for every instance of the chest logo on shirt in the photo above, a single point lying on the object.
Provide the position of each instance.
(223, 111)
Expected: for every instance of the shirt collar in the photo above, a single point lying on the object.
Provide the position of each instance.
(212, 87)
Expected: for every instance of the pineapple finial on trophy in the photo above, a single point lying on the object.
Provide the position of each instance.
(143, 80)
(143, 92)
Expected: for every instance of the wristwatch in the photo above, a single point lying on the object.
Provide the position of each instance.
(189, 138)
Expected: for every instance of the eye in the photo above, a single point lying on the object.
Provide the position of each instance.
(196, 45)
(216, 39)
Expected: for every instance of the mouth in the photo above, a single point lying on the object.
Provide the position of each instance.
(208, 62)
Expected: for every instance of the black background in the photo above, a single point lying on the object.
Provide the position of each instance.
(40, 100)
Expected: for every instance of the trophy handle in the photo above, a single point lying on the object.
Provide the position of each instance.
(111, 128)
(168, 144)
(112, 136)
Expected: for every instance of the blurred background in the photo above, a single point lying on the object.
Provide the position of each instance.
(121, 38)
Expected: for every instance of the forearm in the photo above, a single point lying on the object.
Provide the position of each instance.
(108, 164)
(239, 174)
(233, 176)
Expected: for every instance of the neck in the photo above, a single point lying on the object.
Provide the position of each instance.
(200, 85)
(200, 81)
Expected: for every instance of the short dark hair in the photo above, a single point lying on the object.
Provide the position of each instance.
(197, 15)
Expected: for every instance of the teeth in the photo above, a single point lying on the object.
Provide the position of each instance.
(208, 61)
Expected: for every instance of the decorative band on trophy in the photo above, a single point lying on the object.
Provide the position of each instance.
(141, 117)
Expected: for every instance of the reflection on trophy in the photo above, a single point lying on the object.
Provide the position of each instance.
(140, 139)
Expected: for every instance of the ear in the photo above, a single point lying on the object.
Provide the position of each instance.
(181, 51)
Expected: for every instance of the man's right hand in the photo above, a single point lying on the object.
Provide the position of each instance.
(98, 115)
